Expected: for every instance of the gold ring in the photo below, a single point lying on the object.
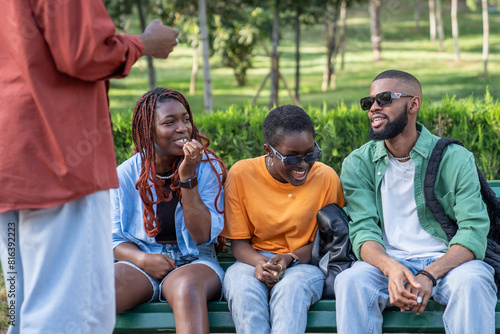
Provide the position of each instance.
(281, 267)
(193, 157)
(201, 152)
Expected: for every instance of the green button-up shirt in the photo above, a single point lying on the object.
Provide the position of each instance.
(457, 189)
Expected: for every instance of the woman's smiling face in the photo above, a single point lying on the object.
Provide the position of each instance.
(173, 128)
(295, 143)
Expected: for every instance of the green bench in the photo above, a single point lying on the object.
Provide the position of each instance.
(159, 318)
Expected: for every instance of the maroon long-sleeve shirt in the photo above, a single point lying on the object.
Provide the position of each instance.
(56, 142)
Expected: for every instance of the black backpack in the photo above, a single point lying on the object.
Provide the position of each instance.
(492, 256)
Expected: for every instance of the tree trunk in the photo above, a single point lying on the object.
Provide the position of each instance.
(331, 45)
(194, 71)
(376, 29)
(297, 51)
(151, 67)
(416, 15)
(440, 28)
(343, 24)
(274, 89)
(207, 83)
(486, 35)
(432, 20)
(122, 18)
(454, 28)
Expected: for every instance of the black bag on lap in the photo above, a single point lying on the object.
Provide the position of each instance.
(332, 250)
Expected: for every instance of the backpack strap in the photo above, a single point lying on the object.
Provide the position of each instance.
(437, 210)
(492, 256)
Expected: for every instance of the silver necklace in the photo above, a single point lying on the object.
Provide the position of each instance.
(398, 159)
(165, 177)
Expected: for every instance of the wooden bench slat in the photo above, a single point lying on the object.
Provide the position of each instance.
(321, 318)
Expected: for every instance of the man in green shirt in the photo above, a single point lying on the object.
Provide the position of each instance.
(406, 257)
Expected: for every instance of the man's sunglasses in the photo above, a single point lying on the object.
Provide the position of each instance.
(383, 99)
(295, 160)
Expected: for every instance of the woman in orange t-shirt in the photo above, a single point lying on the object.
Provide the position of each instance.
(271, 204)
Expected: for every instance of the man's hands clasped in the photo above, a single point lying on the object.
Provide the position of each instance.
(408, 292)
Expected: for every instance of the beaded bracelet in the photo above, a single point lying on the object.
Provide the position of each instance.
(426, 273)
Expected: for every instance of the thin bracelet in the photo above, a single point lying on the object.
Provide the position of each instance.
(426, 273)
(295, 259)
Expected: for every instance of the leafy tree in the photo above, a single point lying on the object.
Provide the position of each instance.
(235, 39)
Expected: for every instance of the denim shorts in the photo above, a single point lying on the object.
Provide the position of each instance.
(206, 256)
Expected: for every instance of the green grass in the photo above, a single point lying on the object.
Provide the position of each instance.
(403, 46)
(4, 319)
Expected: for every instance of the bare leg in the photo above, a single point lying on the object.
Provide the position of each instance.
(132, 287)
(187, 291)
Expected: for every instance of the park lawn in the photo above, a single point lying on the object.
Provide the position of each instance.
(403, 48)
(4, 314)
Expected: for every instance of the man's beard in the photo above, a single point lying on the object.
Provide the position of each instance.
(391, 128)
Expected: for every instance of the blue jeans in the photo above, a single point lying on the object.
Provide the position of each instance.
(58, 267)
(469, 292)
(256, 308)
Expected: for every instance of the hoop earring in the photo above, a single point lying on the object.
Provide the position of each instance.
(269, 163)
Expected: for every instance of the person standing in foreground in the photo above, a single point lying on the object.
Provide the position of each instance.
(271, 204)
(57, 159)
(406, 258)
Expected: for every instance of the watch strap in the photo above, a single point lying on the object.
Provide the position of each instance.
(189, 184)
(295, 259)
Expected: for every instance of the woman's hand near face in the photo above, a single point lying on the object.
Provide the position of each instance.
(196, 214)
(193, 153)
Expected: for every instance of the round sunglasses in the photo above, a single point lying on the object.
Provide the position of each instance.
(383, 99)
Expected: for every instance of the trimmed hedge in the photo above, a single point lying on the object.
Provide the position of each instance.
(236, 133)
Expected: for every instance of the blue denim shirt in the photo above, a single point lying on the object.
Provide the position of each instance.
(127, 209)
(457, 190)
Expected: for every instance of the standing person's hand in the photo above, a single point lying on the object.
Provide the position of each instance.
(158, 39)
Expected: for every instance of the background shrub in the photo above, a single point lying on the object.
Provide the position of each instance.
(236, 133)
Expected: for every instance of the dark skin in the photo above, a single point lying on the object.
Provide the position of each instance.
(267, 270)
(187, 289)
(404, 295)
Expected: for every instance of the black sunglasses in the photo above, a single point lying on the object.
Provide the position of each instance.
(383, 99)
(295, 160)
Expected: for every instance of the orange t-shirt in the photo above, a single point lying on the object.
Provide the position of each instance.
(276, 217)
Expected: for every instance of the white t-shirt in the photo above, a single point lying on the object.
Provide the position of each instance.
(403, 235)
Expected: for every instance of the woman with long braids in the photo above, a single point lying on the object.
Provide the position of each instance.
(168, 213)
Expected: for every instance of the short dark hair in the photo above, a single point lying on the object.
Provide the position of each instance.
(399, 75)
(284, 120)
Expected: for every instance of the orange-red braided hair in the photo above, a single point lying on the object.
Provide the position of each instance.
(143, 129)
